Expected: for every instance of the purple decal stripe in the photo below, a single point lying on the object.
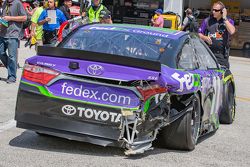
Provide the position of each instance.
(95, 93)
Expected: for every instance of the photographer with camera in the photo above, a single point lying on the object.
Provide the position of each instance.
(216, 30)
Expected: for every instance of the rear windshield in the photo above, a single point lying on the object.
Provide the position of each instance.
(118, 43)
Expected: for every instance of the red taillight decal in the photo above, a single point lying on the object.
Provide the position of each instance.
(39, 74)
(150, 91)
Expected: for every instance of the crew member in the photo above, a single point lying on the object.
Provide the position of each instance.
(93, 11)
(216, 30)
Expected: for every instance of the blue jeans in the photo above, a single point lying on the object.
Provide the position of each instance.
(10, 59)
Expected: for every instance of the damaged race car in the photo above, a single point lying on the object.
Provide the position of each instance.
(126, 86)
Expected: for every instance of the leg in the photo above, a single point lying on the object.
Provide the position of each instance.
(12, 58)
(3, 55)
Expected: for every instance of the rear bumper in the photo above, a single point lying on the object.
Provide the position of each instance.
(43, 114)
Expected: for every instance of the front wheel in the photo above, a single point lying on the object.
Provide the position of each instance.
(184, 132)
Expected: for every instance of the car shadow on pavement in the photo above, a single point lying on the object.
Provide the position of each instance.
(31, 140)
(206, 136)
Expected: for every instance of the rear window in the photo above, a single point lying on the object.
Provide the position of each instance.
(118, 43)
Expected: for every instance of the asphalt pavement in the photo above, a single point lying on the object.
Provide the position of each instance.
(228, 146)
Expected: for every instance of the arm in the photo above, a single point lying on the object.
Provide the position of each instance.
(228, 22)
(15, 18)
(33, 27)
(21, 17)
(202, 35)
(184, 24)
(43, 18)
(47, 19)
(230, 27)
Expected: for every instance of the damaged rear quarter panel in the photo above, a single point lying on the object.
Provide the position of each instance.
(178, 81)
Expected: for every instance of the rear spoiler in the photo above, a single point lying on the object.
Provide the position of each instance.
(98, 57)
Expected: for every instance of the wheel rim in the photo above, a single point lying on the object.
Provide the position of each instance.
(195, 119)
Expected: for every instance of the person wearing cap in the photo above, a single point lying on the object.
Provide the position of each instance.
(158, 20)
(65, 8)
(105, 17)
(93, 11)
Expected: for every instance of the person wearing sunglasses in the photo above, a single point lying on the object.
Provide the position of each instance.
(216, 31)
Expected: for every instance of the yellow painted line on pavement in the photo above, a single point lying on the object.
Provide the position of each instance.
(245, 99)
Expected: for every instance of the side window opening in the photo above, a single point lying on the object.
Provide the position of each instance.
(206, 60)
(187, 59)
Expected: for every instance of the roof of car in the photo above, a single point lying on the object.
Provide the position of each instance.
(139, 29)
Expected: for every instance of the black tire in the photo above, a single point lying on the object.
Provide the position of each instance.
(184, 132)
(227, 114)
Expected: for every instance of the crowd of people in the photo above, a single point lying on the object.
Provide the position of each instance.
(45, 19)
(45, 22)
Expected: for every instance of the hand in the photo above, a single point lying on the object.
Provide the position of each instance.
(224, 14)
(7, 18)
(32, 33)
(47, 19)
(208, 40)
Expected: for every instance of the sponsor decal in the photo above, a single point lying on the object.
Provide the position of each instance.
(102, 28)
(46, 64)
(91, 94)
(187, 80)
(152, 77)
(216, 35)
(95, 69)
(150, 33)
(90, 113)
(69, 110)
(146, 32)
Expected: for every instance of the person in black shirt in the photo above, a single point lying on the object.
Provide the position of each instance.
(65, 8)
(216, 30)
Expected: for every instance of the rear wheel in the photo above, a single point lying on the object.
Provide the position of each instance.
(227, 114)
(184, 132)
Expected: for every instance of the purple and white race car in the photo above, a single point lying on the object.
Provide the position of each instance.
(126, 85)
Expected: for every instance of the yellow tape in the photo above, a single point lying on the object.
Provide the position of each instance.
(245, 99)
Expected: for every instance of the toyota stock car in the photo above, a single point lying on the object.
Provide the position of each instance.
(126, 86)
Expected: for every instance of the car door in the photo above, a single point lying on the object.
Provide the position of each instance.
(211, 83)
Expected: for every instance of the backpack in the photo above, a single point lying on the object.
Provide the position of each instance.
(193, 25)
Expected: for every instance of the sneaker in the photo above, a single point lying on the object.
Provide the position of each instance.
(10, 81)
